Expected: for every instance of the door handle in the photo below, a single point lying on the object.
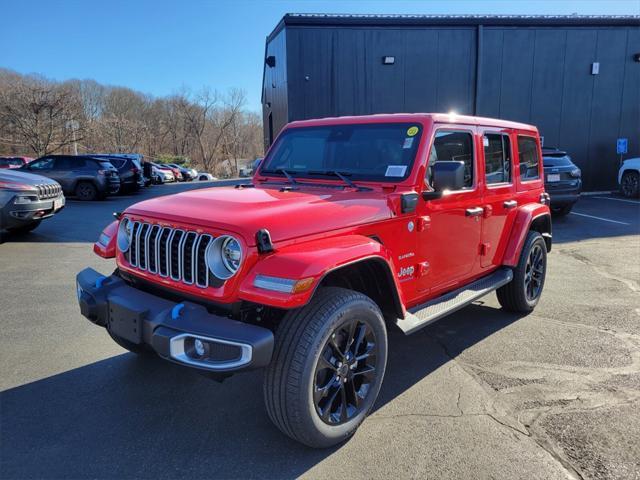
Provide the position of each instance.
(510, 204)
(474, 212)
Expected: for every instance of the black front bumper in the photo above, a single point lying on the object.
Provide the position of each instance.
(170, 328)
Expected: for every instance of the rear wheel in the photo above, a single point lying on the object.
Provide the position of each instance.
(327, 368)
(86, 191)
(25, 228)
(523, 292)
(630, 184)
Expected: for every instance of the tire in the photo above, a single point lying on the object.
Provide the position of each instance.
(25, 228)
(561, 211)
(630, 184)
(305, 356)
(86, 191)
(521, 295)
(127, 345)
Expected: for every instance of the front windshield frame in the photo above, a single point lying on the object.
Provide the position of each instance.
(353, 176)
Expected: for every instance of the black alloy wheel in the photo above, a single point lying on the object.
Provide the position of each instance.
(327, 367)
(345, 371)
(534, 273)
(630, 184)
(86, 191)
(523, 292)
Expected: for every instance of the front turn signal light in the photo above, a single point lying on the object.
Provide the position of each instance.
(283, 285)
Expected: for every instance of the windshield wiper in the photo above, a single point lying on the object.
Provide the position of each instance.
(284, 172)
(340, 175)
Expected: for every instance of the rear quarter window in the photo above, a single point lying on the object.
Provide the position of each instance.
(528, 158)
(116, 162)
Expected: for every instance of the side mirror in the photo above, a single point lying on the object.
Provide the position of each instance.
(446, 176)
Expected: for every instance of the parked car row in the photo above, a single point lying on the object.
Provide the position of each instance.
(32, 190)
(95, 176)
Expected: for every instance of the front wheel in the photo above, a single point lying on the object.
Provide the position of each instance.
(630, 184)
(327, 368)
(523, 292)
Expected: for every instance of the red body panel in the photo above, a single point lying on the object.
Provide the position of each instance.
(310, 259)
(106, 244)
(316, 229)
(524, 217)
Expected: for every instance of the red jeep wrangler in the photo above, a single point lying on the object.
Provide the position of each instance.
(351, 226)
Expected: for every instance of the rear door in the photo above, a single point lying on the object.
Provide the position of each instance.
(64, 172)
(499, 198)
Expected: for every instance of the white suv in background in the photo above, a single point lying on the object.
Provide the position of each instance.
(629, 177)
(160, 176)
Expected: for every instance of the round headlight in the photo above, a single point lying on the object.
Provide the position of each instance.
(224, 256)
(124, 235)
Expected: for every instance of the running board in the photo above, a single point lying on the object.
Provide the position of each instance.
(427, 313)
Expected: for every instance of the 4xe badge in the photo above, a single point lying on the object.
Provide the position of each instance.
(406, 272)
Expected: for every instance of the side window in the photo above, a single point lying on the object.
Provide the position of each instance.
(452, 146)
(116, 162)
(528, 158)
(64, 163)
(83, 163)
(44, 164)
(497, 158)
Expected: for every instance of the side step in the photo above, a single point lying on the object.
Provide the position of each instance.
(422, 315)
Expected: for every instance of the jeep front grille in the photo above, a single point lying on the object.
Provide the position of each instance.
(48, 190)
(170, 252)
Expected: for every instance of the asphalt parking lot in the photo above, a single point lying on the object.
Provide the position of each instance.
(480, 394)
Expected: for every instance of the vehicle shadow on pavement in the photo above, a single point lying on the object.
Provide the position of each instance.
(130, 416)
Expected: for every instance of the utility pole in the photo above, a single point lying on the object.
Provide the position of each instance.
(73, 125)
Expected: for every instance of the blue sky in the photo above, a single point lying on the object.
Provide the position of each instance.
(159, 46)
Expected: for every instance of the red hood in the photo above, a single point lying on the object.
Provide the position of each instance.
(286, 215)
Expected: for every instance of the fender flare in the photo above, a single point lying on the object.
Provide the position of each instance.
(315, 259)
(526, 217)
(105, 247)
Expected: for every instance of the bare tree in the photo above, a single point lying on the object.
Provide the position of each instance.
(38, 113)
(211, 129)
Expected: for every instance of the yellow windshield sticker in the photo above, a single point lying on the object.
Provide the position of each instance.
(412, 131)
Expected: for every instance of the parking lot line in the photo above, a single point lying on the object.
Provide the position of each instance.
(599, 218)
(618, 200)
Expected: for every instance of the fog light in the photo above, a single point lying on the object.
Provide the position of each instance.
(198, 346)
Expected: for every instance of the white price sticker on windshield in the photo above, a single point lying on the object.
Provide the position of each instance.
(408, 142)
(395, 171)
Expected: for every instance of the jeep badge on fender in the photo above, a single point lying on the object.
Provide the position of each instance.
(354, 226)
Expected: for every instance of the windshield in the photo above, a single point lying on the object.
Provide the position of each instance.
(378, 152)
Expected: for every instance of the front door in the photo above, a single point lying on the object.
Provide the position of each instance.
(449, 228)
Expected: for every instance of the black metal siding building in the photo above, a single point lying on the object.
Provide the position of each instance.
(577, 78)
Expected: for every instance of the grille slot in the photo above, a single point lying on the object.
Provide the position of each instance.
(48, 190)
(174, 253)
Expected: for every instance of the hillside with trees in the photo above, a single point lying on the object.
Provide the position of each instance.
(211, 130)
